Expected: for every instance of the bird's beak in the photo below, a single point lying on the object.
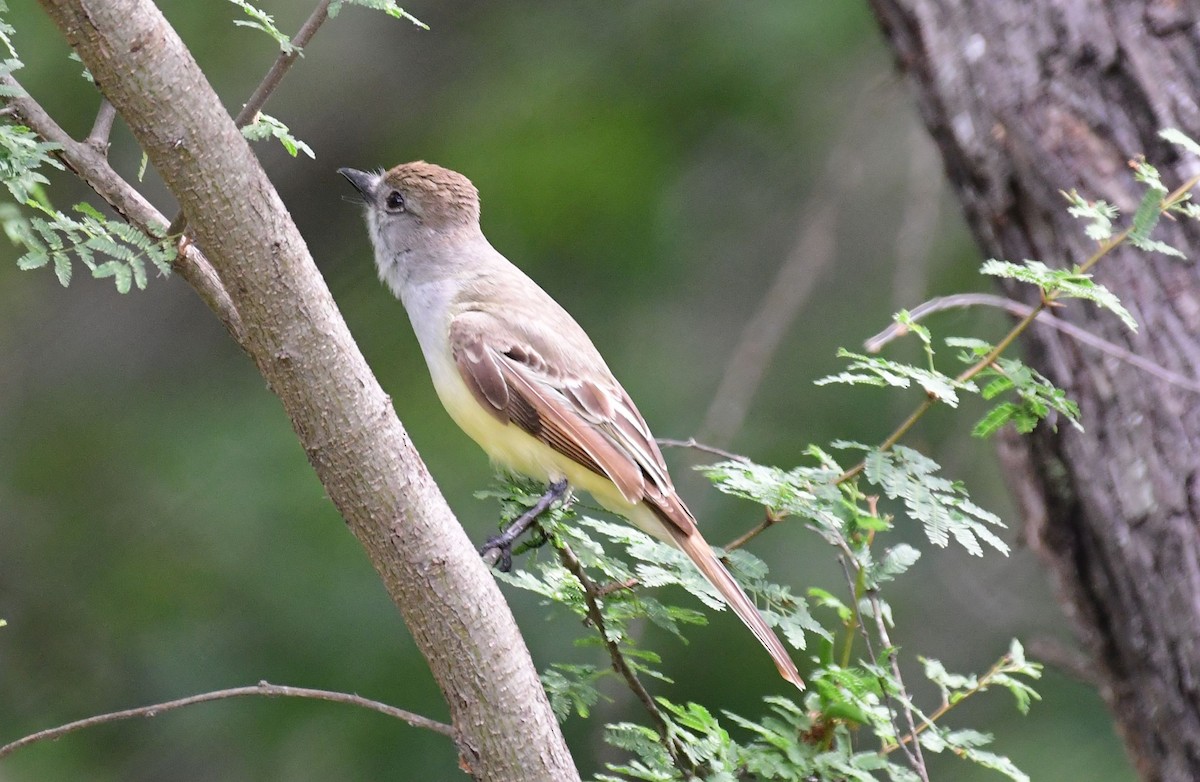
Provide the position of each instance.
(363, 181)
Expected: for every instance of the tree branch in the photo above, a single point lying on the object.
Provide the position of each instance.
(345, 422)
(102, 127)
(270, 82)
(263, 689)
(91, 165)
(283, 63)
(591, 597)
(1021, 310)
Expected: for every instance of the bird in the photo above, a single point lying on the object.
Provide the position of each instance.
(519, 375)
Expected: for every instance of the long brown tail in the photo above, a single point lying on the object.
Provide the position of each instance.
(697, 548)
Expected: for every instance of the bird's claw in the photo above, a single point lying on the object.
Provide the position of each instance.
(503, 549)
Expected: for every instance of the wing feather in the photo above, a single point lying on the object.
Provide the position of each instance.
(588, 419)
(513, 382)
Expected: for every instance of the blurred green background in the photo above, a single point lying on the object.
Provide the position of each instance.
(653, 165)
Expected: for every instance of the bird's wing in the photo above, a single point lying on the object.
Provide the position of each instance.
(570, 402)
(560, 391)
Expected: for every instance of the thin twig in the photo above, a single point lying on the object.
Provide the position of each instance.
(102, 127)
(93, 168)
(270, 82)
(262, 689)
(498, 549)
(912, 749)
(769, 520)
(1044, 318)
(605, 590)
(853, 578)
(691, 442)
(981, 684)
(591, 597)
(283, 64)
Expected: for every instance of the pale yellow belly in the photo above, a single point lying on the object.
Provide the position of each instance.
(514, 449)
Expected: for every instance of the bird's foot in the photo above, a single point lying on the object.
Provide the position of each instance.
(498, 549)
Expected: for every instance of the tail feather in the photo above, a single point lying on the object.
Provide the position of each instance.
(735, 597)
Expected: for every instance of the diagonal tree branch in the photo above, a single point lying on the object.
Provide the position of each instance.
(270, 82)
(91, 165)
(283, 63)
(345, 423)
(592, 594)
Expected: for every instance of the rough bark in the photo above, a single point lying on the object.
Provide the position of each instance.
(1026, 99)
(347, 426)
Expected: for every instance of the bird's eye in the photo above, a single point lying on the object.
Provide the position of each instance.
(394, 201)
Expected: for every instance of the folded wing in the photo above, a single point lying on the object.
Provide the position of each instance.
(578, 411)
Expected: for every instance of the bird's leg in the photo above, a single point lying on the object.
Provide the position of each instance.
(502, 544)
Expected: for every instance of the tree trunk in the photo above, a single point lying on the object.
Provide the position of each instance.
(1026, 99)
(296, 337)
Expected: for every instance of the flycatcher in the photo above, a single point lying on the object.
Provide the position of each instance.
(519, 375)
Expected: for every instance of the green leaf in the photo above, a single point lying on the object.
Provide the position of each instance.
(1099, 215)
(138, 268)
(34, 259)
(897, 560)
(572, 688)
(389, 7)
(1145, 220)
(875, 371)
(827, 600)
(118, 271)
(86, 74)
(6, 36)
(1060, 283)
(261, 20)
(997, 417)
(1181, 140)
(941, 506)
(62, 270)
(1036, 398)
(807, 492)
(266, 126)
(22, 154)
(87, 210)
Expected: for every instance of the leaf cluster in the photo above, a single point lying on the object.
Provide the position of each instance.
(59, 240)
(389, 7)
(651, 565)
(262, 21)
(815, 740)
(1031, 397)
(1070, 283)
(49, 237)
(266, 126)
